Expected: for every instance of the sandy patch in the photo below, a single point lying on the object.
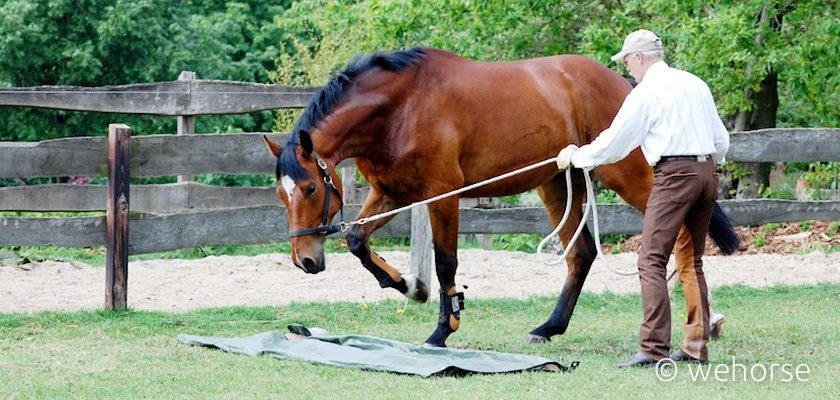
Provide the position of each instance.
(271, 279)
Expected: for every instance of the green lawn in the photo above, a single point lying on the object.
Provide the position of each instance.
(135, 354)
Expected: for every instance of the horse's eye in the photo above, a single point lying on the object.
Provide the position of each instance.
(310, 191)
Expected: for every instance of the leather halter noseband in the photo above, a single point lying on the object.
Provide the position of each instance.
(325, 229)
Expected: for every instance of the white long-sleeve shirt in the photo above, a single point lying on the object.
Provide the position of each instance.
(670, 113)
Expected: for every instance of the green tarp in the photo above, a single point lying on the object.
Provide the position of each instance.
(377, 354)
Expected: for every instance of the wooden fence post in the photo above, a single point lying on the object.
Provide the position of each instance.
(421, 245)
(348, 183)
(486, 239)
(186, 123)
(116, 259)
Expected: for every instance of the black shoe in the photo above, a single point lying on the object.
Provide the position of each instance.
(681, 356)
(638, 360)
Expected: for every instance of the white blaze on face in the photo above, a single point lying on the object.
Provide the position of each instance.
(288, 186)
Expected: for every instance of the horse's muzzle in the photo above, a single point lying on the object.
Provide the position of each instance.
(310, 265)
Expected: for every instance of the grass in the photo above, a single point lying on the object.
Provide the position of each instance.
(134, 354)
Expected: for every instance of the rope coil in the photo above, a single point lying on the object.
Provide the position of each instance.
(590, 204)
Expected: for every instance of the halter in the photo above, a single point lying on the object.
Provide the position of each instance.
(325, 229)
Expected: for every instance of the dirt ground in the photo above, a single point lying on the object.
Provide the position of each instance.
(784, 238)
(271, 279)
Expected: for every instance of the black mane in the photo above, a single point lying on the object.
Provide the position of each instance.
(330, 95)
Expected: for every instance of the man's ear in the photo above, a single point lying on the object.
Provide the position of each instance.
(273, 146)
(305, 143)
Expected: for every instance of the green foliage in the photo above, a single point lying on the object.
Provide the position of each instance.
(715, 41)
(516, 242)
(718, 43)
(607, 196)
(107, 42)
(821, 247)
(322, 36)
(237, 180)
(783, 188)
(832, 229)
(771, 227)
(806, 225)
(760, 240)
(613, 238)
(822, 175)
(513, 200)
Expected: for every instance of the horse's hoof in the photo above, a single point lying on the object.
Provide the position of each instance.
(716, 326)
(535, 339)
(417, 290)
(428, 345)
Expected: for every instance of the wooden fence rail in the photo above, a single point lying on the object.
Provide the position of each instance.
(174, 98)
(151, 156)
(150, 233)
(245, 153)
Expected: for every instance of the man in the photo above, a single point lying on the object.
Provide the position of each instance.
(671, 114)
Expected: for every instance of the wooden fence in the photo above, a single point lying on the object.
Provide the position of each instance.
(187, 214)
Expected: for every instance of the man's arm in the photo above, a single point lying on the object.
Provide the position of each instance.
(721, 135)
(626, 132)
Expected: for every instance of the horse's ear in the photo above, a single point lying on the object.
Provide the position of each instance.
(305, 143)
(273, 146)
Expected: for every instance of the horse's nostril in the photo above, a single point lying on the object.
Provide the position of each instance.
(308, 264)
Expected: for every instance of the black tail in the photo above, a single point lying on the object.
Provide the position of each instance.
(720, 229)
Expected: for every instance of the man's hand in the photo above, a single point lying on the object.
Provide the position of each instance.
(564, 159)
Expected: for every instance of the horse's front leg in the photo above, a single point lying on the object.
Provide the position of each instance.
(357, 241)
(443, 215)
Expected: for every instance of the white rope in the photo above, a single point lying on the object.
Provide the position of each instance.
(590, 204)
(372, 218)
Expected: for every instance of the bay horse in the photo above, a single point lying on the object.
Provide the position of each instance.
(422, 122)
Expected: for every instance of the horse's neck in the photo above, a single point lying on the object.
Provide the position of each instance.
(352, 134)
(361, 123)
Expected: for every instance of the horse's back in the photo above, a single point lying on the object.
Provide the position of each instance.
(493, 117)
(571, 87)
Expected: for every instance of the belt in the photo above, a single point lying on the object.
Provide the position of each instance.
(701, 158)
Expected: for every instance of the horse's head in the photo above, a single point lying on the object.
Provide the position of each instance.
(356, 100)
(311, 191)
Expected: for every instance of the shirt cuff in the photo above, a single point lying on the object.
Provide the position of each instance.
(579, 159)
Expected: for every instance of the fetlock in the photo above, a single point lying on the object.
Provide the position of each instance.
(449, 319)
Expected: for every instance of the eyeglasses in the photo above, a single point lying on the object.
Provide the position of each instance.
(624, 60)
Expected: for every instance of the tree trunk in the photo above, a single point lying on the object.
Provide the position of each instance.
(765, 104)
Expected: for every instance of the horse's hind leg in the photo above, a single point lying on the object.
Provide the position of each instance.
(579, 260)
(357, 241)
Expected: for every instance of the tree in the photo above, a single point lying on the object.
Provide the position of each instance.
(322, 36)
(762, 71)
(106, 42)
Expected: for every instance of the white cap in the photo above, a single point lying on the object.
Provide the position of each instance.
(640, 40)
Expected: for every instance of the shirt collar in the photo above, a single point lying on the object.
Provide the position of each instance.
(657, 68)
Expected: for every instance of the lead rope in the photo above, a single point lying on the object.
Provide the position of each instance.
(362, 221)
(590, 203)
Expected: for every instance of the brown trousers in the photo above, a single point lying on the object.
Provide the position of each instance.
(684, 193)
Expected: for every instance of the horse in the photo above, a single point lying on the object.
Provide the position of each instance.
(422, 122)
